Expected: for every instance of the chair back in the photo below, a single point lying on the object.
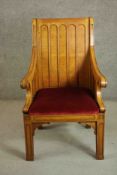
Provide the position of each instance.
(62, 51)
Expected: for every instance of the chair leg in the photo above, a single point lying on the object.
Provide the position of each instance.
(41, 125)
(100, 140)
(29, 141)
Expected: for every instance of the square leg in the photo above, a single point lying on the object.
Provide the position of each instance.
(100, 140)
(29, 145)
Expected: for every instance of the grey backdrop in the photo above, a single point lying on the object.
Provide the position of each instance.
(15, 37)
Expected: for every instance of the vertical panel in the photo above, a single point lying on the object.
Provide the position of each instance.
(81, 56)
(71, 59)
(53, 60)
(87, 56)
(80, 52)
(44, 56)
(34, 31)
(62, 63)
(35, 54)
(91, 27)
(39, 66)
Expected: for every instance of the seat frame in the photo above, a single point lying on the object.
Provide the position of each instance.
(96, 121)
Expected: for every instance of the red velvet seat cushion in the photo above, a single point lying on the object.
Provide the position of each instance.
(64, 101)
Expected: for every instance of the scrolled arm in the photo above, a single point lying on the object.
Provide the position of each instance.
(24, 84)
(28, 82)
(99, 80)
(98, 76)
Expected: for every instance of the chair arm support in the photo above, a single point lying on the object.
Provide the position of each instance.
(24, 84)
(28, 82)
(98, 76)
(28, 102)
(99, 80)
(98, 96)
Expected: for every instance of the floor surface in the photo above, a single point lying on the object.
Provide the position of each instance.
(60, 149)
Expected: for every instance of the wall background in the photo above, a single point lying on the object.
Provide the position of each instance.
(15, 37)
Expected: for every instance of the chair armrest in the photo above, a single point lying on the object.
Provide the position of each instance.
(98, 76)
(99, 80)
(24, 84)
(28, 82)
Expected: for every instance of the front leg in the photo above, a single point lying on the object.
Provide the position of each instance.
(100, 140)
(28, 128)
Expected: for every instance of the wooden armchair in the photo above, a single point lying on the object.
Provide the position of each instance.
(63, 82)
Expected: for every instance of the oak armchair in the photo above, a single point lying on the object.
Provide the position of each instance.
(63, 82)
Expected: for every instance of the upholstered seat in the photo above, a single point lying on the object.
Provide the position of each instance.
(64, 101)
